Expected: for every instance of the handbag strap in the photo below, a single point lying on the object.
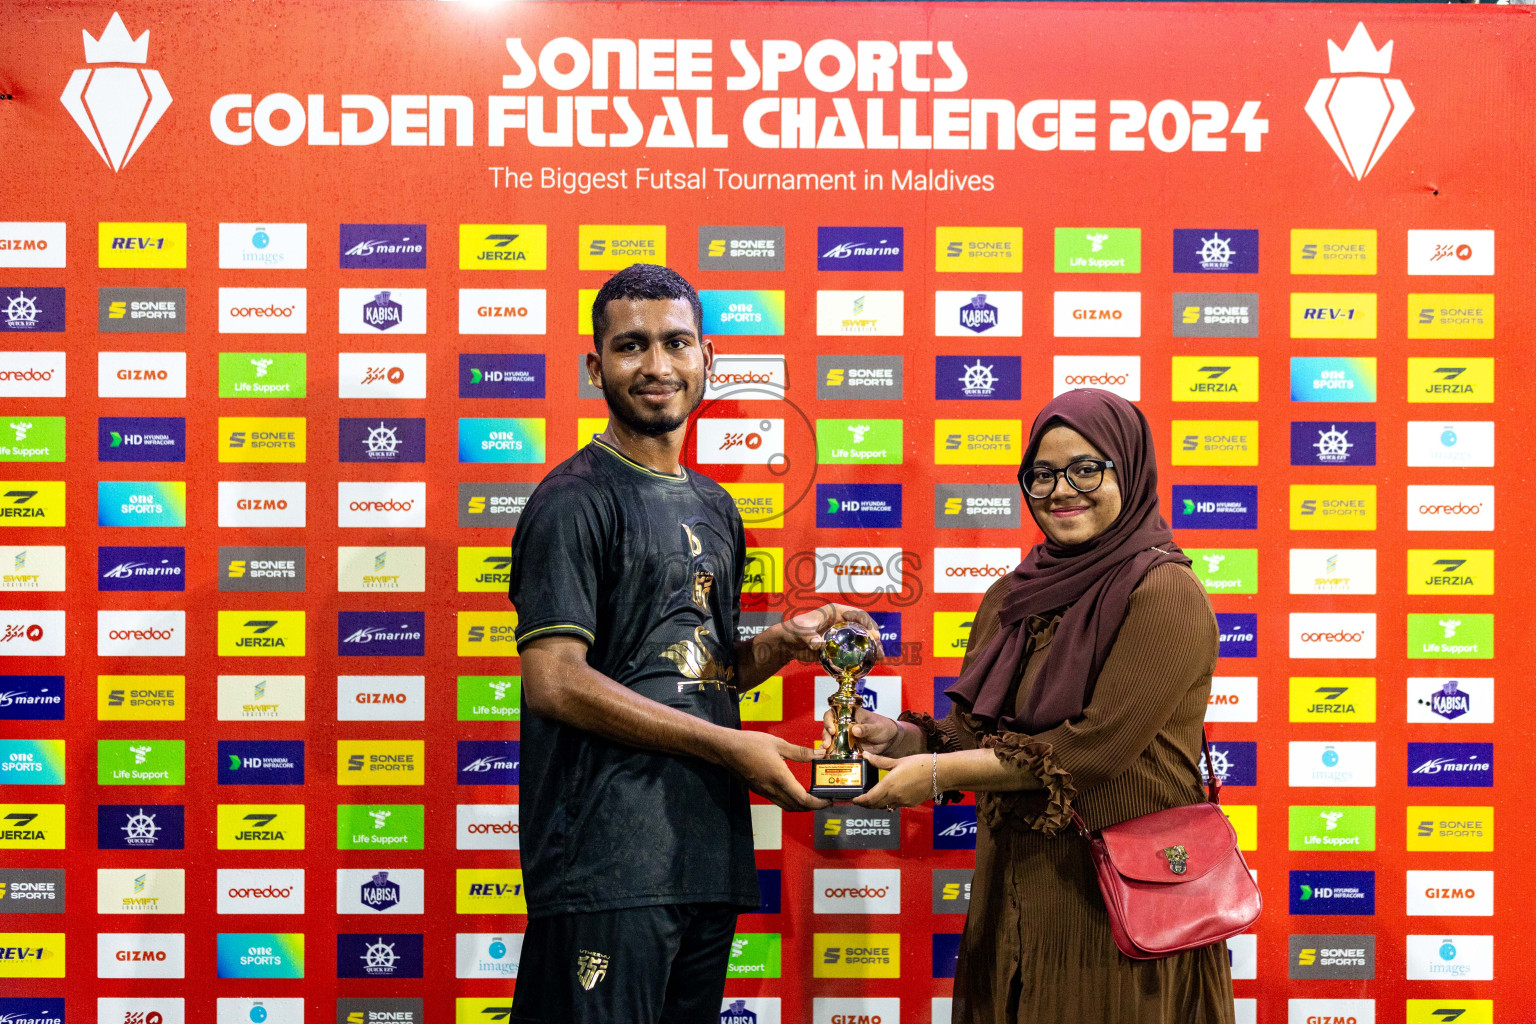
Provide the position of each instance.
(1212, 788)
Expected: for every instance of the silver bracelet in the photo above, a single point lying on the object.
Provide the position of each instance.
(935, 776)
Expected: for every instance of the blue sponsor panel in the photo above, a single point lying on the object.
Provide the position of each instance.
(31, 310)
(381, 634)
(141, 568)
(375, 955)
(977, 378)
(488, 762)
(1450, 764)
(1333, 443)
(1239, 634)
(32, 1009)
(1333, 892)
(941, 701)
(946, 954)
(141, 439)
(770, 888)
(1215, 507)
(859, 248)
(1236, 762)
(31, 698)
(261, 762)
(954, 827)
(501, 375)
(863, 506)
(1215, 251)
(384, 246)
(890, 632)
(140, 827)
(378, 439)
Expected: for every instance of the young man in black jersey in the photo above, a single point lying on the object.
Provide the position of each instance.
(626, 573)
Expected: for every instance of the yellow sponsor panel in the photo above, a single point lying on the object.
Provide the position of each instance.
(1459, 571)
(951, 632)
(485, 570)
(1333, 314)
(489, 891)
(487, 634)
(1215, 442)
(467, 1010)
(261, 439)
(1336, 251)
(584, 299)
(141, 244)
(31, 503)
(1215, 378)
(761, 505)
(1333, 699)
(31, 826)
(764, 702)
(31, 955)
(503, 247)
(1245, 822)
(1452, 829)
(261, 634)
(1453, 379)
(380, 762)
(616, 246)
(1333, 506)
(979, 250)
(978, 442)
(856, 955)
(141, 698)
(261, 826)
(588, 427)
(765, 571)
(1442, 315)
(1447, 1010)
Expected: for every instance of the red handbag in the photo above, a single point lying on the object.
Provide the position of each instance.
(1173, 880)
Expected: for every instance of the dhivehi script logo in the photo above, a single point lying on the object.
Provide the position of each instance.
(116, 107)
(1360, 112)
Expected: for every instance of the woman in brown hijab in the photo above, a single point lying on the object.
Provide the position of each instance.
(1084, 687)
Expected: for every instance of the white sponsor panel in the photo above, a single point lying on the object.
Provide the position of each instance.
(381, 698)
(867, 313)
(119, 1011)
(1441, 957)
(501, 310)
(374, 568)
(953, 311)
(1437, 700)
(1333, 764)
(141, 634)
(261, 890)
(880, 694)
(1331, 1011)
(32, 243)
(381, 504)
(141, 955)
(1450, 894)
(381, 374)
(272, 1010)
(1450, 253)
(1450, 443)
(1233, 699)
(141, 374)
(1244, 953)
(489, 955)
(857, 891)
(141, 891)
(261, 698)
(1333, 570)
(761, 1009)
(263, 311)
(943, 1008)
(1450, 508)
(746, 378)
(1119, 374)
(381, 311)
(858, 570)
(767, 827)
(740, 442)
(488, 827)
(31, 634)
(1246, 1011)
(31, 567)
(376, 891)
(1333, 635)
(32, 374)
(275, 503)
(264, 246)
(1097, 314)
(971, 570)
(857, 1010)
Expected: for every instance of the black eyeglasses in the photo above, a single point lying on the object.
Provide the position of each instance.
(1083, 475)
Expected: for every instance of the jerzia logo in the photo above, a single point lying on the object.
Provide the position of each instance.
(1359, 114)
(116, 107)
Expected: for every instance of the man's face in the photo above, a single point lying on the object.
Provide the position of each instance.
(652, 364)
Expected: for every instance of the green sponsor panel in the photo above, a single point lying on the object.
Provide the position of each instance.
(1226, 570)
(1333, 828)
(141, 762)
(1451, 635)
(755, 955)
(262, 374)
(31, 438)
(858, 442)
(490, 698)
(1098, 250)
(380, 827)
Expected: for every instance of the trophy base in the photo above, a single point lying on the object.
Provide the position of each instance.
(841, 781)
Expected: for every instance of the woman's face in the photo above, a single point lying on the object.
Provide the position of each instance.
(1068, 517)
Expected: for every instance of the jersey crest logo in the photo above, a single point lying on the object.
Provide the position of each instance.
(591, 968)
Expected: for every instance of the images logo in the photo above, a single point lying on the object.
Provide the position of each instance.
(1215, 251)
(1450, 443)
(1332, 764)
(1361, 114)
(266, 246)
(859, 248)
(116, 107)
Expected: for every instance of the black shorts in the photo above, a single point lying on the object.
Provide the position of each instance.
(644, 965)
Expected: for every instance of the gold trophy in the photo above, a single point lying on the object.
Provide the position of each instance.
(849, 653)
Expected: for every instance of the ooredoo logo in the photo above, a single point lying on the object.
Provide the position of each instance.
(32, 375)
(971, 570)
(1451, 508)
(1337, 635)
(141, 634)
(261, 890)
(263, 311)
(381, 504)
(857, 891)
(488, 827)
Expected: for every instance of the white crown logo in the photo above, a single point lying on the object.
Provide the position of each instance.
(1360, 115)
(1359, 56)
(116, 46)
(116, 107)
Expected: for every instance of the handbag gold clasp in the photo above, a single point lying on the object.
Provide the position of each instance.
(1178, 859)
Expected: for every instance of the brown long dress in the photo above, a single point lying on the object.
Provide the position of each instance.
(1037, 946)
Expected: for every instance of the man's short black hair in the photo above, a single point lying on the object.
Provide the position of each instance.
(643, 281)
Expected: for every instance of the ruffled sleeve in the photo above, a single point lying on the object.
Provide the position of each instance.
(942, 737)
(1022, 810)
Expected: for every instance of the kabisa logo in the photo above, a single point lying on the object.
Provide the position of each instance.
(379, 893)
(41, 310)
(1463, 701)
(977, 377)
(382, 439)
(140, 568)
(1359, 114)
(381, 312)
(1333, 892)
(488, 762)
(387, 246)
(116, 107)
(1450, 764)
(32, 698)
(1215, 251)
(978, 315)
(856, 248)
(378, 634)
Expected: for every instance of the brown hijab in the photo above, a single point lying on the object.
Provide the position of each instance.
(1093, 580)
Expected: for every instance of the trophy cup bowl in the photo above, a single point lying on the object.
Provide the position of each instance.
(848, 653)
